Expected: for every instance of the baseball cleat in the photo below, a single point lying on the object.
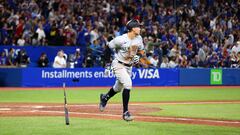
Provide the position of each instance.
(127, 116)
(103, 102)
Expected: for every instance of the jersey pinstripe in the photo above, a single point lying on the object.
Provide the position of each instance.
(126, 48)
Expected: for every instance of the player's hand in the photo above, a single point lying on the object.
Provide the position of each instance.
(108, 70)
(135, 59)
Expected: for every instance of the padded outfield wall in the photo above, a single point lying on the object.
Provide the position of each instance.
(50, 77)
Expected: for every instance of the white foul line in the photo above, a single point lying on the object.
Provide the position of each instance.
(5, 109)
(135, 104)
(145, 117)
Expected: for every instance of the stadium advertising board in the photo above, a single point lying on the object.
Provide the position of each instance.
(96, 77)
(50, 77)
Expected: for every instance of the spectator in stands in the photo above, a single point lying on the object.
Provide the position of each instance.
(234, 60)
(20, 25)
(11, 57)
(3, 58)
(89, 60)
(27, 33)
(191, 25)
(68, 36)
(159, 52)
(22, 59)
(41, 34)
(98, 62)
(60, 38)
(60, 61)
(35, 39)
(225, 62)
(189, 52)
(79, 59)
(153, 58)
(173, 51)
(76, 60)
(213, 60)
(202, 54)
(173, 62)
(52, 40)
(94, 35)
(238, 58)
(194, 62)
(43, 60)
(21, 41)
(71, 61)
(4, 35)
(236, 47)
(96, 49)
(83, 39)
(107, 56)
(165, 63)
(184, 62)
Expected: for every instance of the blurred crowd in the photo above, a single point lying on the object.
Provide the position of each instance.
(176, 33)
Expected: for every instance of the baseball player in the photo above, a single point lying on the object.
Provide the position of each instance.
(126, 48)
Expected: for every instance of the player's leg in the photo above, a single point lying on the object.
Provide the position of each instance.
(123, 75)
(105, 97)
(125, 99)
(118, 86)
(127, 83)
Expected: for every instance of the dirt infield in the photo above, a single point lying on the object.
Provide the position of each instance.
(113, 111)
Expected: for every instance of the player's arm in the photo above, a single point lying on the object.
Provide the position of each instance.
(115, 43)
(140, 52)
(141, 49)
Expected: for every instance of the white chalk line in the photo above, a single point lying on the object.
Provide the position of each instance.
(135, 104)
(5, 109)
(140, 117)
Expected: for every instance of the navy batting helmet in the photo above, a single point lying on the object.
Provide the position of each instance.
(132, 24)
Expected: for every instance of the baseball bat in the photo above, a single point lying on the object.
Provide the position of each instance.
(65, 106)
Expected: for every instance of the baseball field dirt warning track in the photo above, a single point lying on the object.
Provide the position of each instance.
(113, 111)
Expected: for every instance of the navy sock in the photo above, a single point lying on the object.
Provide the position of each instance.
(125, 98)
(110, 94)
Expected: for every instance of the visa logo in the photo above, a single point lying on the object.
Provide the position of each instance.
(148, 73)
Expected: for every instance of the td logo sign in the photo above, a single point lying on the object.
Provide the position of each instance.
(216, 76)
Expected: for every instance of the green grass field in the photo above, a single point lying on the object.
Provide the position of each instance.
(79, 126)
(212, 111)
(55, 126)
(143, 95)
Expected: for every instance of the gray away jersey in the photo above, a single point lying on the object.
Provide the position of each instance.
(126, 48)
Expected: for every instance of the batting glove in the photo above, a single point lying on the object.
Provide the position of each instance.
(108, 70)
(135, 59)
